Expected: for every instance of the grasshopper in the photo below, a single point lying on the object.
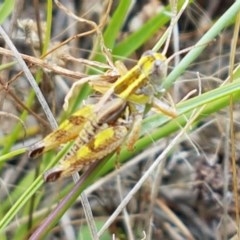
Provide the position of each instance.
(101, 128)
(139, 85)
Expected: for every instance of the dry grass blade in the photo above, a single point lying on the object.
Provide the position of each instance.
(96, 28)
(232, 128)
(10, 115)
(41, 63)
(175, 219)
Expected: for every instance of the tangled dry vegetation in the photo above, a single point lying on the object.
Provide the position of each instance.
(194, 196)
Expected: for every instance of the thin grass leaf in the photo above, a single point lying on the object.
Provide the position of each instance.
(6, 9)
(138, 38)
(116, 23)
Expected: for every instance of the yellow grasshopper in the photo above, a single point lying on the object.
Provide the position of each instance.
(101, 128)
(139, 85)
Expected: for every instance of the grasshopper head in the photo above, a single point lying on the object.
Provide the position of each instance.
(157, 68)
(154, 66)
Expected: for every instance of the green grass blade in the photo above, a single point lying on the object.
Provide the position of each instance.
(138, 38)
(116, 23)
(5, 9)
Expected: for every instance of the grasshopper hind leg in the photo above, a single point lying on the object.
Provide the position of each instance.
(105, 142)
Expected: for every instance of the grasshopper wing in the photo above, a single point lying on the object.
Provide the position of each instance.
(101, 145)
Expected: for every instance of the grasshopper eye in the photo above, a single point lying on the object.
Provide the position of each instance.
(160, 68)
(159, 71)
